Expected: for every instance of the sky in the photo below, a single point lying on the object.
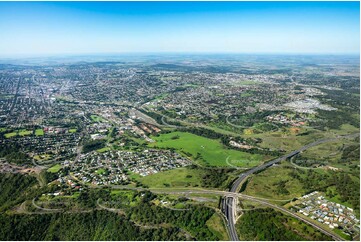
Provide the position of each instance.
(50, 28)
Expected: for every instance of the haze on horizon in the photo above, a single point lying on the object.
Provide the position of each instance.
(47, 28)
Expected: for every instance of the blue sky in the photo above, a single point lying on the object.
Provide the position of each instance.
(43, 28)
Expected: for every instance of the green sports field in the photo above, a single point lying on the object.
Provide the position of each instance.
(12, 134)
(72, 130)
(55, 168)
(209, 151)
(100, 171)
(21, 132)
(39, 132)
(24, 132)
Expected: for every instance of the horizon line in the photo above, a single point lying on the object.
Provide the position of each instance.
(144, 53)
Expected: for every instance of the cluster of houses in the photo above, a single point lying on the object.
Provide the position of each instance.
(240, 145)
(307, 105)
(98, 130)
(332, 214)
(67, 180)
(232, 94)
(283, 119)
(61, 144)
(22, 105)
(55, 130)
(113, 167)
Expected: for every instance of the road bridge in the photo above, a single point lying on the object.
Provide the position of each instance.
(230, 209)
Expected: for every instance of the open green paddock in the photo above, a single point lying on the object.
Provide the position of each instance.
(9, 135)
(24, 132)
(21, 132)
(264, 184)
(209, 151)
(181, 177)
(289, 140)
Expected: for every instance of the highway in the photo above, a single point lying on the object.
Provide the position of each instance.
(295, 215)
(231, 198)
(230, 205)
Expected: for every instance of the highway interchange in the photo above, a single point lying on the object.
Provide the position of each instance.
(229, 202)
(229, 205)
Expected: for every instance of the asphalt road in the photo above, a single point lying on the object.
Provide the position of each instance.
(295, 215)
(230, 208)
(230, 198)
(229, 202)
